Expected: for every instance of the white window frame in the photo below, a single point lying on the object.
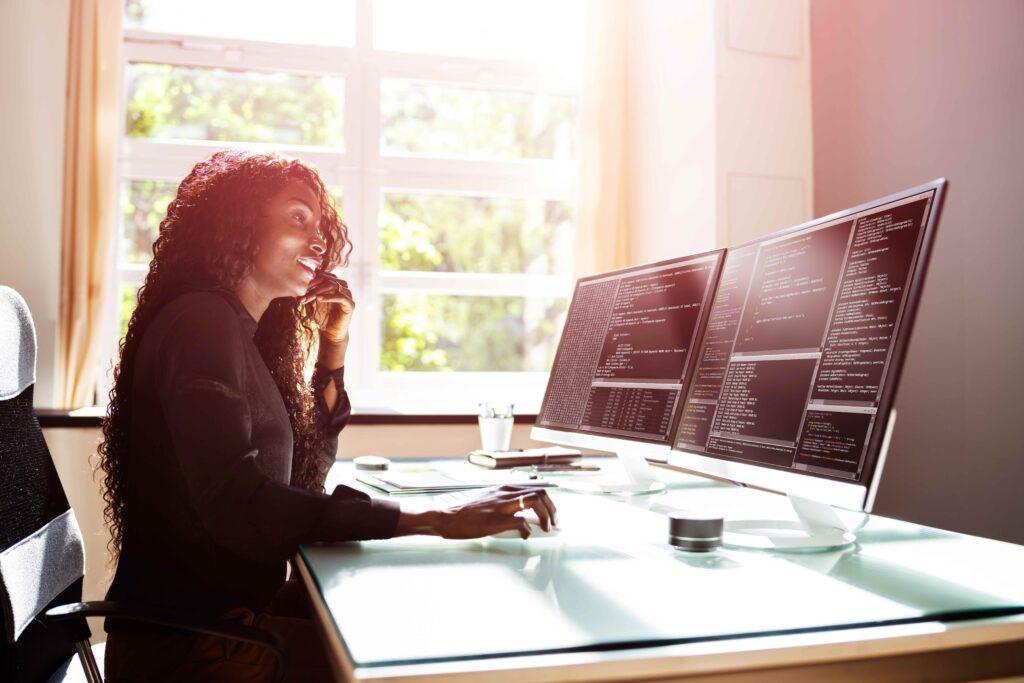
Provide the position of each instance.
(362, 174)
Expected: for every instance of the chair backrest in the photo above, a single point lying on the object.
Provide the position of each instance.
(42, 558)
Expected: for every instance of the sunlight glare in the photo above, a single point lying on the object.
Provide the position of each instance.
(547, 31)
(304, 22)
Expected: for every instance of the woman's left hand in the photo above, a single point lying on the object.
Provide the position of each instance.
(334, 306)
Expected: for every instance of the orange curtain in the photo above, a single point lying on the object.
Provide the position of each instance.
(90, 157)
(603, 231)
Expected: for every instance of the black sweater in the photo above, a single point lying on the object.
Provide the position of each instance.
(210, 518)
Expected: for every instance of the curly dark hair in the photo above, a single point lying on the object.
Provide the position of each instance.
(208, 239)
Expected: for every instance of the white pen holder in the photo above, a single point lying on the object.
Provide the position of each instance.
(495, 433)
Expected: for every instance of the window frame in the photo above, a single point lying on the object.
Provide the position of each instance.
(363, 174)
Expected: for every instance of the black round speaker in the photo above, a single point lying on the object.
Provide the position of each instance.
(695, 531)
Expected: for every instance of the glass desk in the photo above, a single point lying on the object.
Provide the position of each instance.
(609, 596)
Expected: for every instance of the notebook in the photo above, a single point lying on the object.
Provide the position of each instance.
(498, 460)
(418, 482)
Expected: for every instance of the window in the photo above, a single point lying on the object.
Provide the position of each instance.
(447, 131)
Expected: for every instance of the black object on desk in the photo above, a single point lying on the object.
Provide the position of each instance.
(695, 531)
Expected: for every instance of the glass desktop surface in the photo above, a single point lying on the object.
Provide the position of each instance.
(610, 580)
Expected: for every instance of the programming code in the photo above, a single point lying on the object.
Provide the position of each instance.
(578, 353)
(652, 324)
(857, 345)
(761, 405)
(719, 338)
(798, 343)
(627, 348)
(792, 290)
(626, 411)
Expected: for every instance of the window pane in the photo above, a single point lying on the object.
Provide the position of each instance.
(419, 118)
(311, 22)
(338, 197)
(440, 332)
(129, 294)
(143, 206)
(173, 102)
(548, 31)
(448, 233)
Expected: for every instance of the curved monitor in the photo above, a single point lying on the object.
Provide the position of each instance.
(626, 355)
(805, 339)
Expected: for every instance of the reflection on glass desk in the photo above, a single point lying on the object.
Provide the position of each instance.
(611, 583)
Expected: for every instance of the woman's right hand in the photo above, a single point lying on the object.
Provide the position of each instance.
(492, 512)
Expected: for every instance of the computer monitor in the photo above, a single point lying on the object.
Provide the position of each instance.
(625, 359)
(797, 371)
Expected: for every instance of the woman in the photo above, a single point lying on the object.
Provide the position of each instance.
(215, 448)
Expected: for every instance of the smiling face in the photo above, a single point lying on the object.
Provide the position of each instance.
(290, 246)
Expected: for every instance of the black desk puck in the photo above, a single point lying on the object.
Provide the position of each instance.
(695, 531)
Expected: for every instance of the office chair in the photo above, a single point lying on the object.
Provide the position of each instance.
(42, 557)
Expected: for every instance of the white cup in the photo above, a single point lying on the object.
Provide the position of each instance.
(495, 432)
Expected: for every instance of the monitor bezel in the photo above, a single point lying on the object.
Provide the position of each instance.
(834, 491)
(596, 440)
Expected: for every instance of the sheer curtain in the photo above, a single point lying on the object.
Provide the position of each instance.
(602, 228)
(90, 156)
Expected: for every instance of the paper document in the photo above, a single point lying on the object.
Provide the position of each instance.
(419, 482)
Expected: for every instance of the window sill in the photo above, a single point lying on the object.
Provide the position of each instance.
(85, 418)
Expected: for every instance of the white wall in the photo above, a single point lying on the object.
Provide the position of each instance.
(903, 93)
(672, 150)
(721, 149)
(765, 170)
(33, 66)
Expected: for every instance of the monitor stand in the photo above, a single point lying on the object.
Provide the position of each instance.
(819, 528)
(641, 480)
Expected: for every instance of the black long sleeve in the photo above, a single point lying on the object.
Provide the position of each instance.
(211, 517)
(331, 422)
